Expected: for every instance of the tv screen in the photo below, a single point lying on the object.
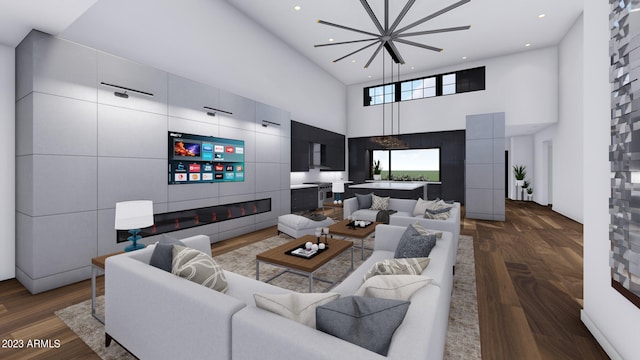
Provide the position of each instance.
(197, 159)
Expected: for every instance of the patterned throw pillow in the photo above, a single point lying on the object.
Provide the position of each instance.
(394, 287)
(379, 203)
(408, 266)
(198, 267)
(439, 211)
(414, 245)
(298, 307)
(424, 231)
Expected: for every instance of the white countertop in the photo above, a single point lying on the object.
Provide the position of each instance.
(303, 186)
(390, 185)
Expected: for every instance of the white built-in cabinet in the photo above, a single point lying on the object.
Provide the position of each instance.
(80, 149)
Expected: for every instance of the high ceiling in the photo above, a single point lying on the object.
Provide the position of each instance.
(18, 17)
(498, 27)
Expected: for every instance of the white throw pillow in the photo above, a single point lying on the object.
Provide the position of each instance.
(422, 206)
(395, 287)
(299, 307)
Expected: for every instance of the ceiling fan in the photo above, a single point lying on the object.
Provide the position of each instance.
(388, 35)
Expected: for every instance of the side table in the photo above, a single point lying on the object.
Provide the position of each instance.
(330, 204)
(97, 265)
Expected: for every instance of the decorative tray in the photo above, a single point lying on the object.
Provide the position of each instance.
(353, 225)
(304, 253)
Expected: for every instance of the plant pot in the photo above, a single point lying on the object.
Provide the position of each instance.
(519, 183)
(377, 176)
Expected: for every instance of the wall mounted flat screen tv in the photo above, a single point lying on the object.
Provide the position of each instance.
(196, 159)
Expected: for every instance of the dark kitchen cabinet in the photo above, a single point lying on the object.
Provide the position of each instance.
(302, 138)
(304, 199)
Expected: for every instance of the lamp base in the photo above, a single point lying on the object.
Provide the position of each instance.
(134, 241)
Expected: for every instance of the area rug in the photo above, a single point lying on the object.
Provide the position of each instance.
(463, 335)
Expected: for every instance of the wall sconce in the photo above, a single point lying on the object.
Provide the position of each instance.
(123, 94)
(212, 111)
(266, 123)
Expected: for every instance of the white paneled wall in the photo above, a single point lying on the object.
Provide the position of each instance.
(7, 157)
(82, 149)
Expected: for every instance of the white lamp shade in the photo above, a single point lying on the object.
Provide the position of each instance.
(135, 214)
(337, 187)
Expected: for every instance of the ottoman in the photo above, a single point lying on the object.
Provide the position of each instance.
(298, 226)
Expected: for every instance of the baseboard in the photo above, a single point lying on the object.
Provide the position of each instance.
(600, 338)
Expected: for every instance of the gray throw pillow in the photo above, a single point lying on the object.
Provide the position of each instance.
(364, 321)
(162, 255)
(364, 200)
(413, 244)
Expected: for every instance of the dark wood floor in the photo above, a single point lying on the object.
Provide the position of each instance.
(529, 280)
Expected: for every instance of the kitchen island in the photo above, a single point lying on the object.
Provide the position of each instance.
(394, 189)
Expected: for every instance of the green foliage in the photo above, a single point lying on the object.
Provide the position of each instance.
(519, 171)
(526, 184)
(530, 190)
(377, 168)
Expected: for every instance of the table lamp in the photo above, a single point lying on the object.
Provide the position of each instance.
(337, 188)
(133, 216)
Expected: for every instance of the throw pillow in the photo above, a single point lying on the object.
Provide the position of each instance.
(421, 206)
(395, 287)
(364, 201)
(414, 245)
(198, 267)
(379, 203)
(162, 255)
(298, 307)
(437, 214)
(410, 266)
(364, 321)
(424, 231)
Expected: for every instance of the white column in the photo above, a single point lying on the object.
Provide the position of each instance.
(7, 162)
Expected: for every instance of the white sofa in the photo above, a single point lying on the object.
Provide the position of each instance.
(155, 314)
(405, 217)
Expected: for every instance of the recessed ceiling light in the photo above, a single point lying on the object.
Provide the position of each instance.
(354, 60)
(413, 68)
(369, 76)
(297, 8)
(541, 16)
(464, 58)
(527, 45)
(330, 39)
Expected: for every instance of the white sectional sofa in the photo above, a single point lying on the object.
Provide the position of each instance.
(405, 217)
(155, 314)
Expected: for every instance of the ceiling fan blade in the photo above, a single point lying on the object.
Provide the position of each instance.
(402, 14)
(346, 28)
(373, 17)
(419, 45)
(375, 53)
(393, 51)
(457, 28)
(435, 14)
(345, 42)
(357, 51)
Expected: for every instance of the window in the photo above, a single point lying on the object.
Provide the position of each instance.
(436, 85)
(381, 94)
(418, 89)
(409, 164)
(449, 84)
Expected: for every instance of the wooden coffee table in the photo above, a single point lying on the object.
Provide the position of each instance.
(341, 229)
(300, 265)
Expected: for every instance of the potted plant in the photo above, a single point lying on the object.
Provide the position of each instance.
(377, 170)
(530, 193)
(526, 184)
(519, 172)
